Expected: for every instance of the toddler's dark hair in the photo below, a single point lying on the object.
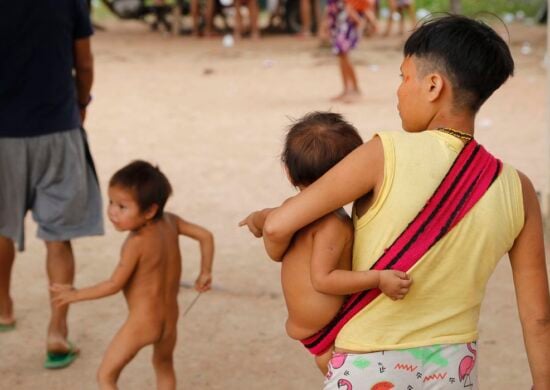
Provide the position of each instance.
(315, 143)
(147, 182)
(470, 53)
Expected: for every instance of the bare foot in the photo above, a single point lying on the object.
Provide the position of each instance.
(353, 97)
(339, 98)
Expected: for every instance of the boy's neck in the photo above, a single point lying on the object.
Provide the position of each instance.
(463, 122)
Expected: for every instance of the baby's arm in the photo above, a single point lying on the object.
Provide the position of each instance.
(66, 294)
(356, 175)
(206, 242)
(255, 221)
(328, 247)
(527, 257)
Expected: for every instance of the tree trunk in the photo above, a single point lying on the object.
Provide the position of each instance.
(456, 7)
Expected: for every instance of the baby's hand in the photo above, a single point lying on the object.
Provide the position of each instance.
(249, 222)
(395, 284)
(63, 294)
(203, 282)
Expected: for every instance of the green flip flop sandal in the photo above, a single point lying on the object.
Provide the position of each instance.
(7, 327)
(56, 360)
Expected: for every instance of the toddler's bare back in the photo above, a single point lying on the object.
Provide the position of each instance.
(309, 310)
(152, 289)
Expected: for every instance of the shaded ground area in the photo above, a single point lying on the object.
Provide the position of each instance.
(213, 119)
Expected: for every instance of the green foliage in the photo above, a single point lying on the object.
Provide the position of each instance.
(471, 7)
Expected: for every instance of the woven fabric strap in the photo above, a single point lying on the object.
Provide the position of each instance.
(470, 176)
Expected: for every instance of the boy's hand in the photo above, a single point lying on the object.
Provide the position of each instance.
(395, 284)
(249, 222)
(63, 294)
(203, 282)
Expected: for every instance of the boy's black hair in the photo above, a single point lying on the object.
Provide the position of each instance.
(315, 143)
(147, 182)
(470, 53)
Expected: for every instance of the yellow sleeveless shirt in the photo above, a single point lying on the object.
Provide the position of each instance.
(442, 306)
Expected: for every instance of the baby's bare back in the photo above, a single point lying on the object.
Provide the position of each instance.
(152, 289)
(309, 310)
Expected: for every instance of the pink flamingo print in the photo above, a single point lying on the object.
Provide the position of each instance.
(466, 367)
(345, 382)
(337, 361)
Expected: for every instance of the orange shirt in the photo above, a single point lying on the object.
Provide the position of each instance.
(361, 5)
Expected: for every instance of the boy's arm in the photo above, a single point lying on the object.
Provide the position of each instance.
(66, 294)
(328, 247)
(528, 262)
(356, 175)
(206, 242)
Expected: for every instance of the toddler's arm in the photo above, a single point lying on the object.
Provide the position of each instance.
(356, 175)
(66, 294)
(206, 242)
(528, 261)
(328, 247)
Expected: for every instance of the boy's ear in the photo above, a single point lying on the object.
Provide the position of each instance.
(434, 86)
(151, 211)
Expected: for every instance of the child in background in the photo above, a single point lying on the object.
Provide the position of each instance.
(346, 20)
(316, 269)
(401, 7)
(148, 273)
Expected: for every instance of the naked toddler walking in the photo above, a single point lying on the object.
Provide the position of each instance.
(148, 272)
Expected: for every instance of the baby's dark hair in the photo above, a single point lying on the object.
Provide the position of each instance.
(149, 185)
(471, 54)
(315, 143)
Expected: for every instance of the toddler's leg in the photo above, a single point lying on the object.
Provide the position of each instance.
(323, 360)
(133, 336)
(163, 361)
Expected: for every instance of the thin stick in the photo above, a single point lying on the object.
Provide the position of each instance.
(191, 304)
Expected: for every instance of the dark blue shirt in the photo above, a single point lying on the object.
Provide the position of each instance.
(37, 87)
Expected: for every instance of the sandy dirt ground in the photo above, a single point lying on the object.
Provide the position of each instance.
(213, 119)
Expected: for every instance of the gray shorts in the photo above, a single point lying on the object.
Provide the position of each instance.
(52, 175)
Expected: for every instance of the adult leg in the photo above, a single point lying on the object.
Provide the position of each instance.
(401, 20)
(305, 16)
(393, 7)
(254, 11)
(209, 18)
(195, 17)
(60, 268)
(133, 336)
(7, 256)
(238, 30)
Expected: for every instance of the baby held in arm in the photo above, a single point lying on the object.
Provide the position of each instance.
(316, 273)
